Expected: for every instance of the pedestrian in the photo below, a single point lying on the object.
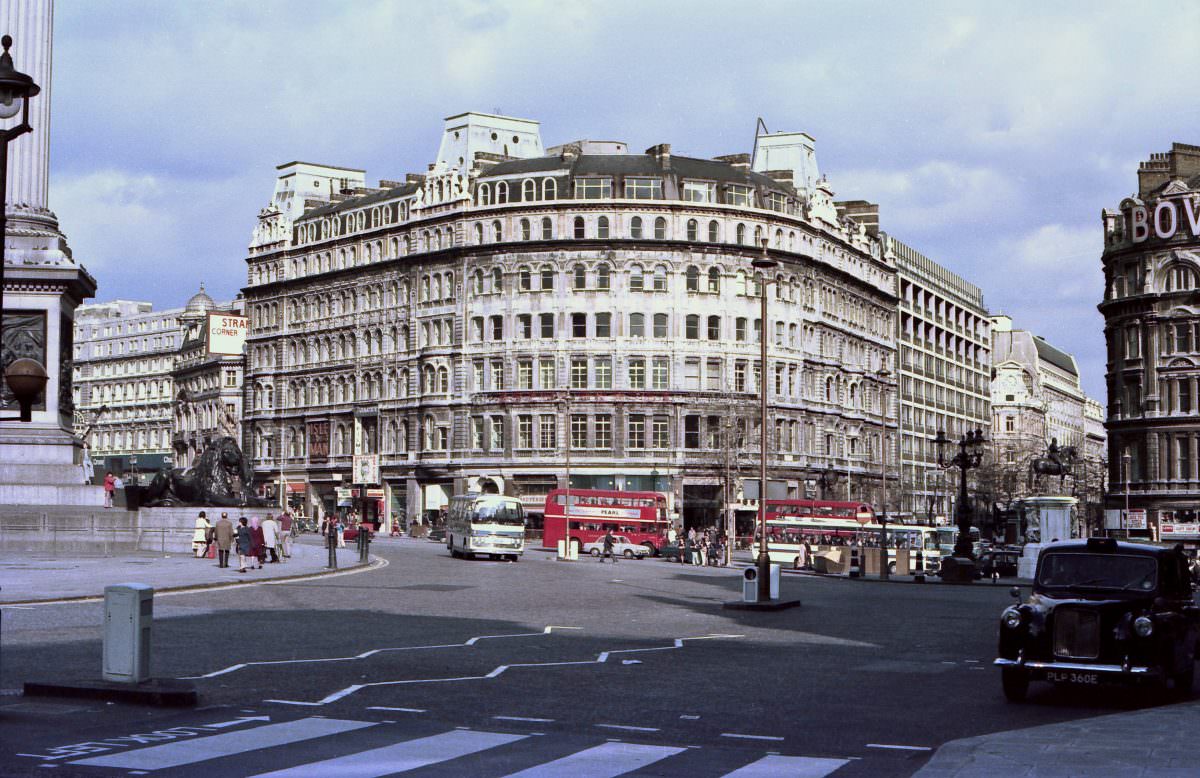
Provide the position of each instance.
(608, 547)
(286, 523)
(201, 540)
(109, 486)
(258, 548)
(341, 532)
(223, 533)
(89, 470)
(244, 543)
(270, 531)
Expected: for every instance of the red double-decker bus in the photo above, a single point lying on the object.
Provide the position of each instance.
(639, 516)
(828, 509)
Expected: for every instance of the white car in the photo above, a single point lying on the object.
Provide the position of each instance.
(621, 547)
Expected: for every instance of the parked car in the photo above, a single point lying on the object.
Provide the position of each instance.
(350, 534)
(621, 546)
(1102, 612)
(1004, 563)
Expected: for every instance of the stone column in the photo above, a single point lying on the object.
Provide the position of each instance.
(30, 23)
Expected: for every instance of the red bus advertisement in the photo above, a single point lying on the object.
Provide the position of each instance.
(824, 509)
(639, 516)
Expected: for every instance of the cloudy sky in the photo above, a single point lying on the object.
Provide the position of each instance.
(990, 134)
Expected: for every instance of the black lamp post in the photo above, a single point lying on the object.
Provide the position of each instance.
(969, 456)
(26, 377)
(763, 264)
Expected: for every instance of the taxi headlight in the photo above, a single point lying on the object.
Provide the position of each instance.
(1143, 626)
(1011, 618)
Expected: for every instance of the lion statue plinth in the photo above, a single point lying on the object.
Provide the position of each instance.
(209, 482)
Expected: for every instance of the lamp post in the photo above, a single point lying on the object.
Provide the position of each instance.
(26, 377)
(883, 375)
(969, 456)
(763, 264)
(1127, 459)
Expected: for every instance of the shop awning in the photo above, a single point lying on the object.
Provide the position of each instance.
(296, 488)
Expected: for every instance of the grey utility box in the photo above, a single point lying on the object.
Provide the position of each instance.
(750, 583)
(128, 617)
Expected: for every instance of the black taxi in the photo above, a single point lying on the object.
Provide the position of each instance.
(1102, 612)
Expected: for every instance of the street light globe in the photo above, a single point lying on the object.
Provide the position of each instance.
(26, 378)
(15, 87)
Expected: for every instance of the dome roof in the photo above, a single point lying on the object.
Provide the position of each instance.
(200, 303)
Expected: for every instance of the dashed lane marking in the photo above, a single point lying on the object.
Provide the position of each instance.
(372, 652)
(750, 737)
(629, 728)
(402, 710)
(899, 748)
(601, 658)
(522, 718)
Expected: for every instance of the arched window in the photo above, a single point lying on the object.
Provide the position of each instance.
(497, 231)
(501, 192)
(478, 233)
(693, 278)
(692, 327)
(714, 280)
(579, 277)
(547, 228)
(637, 278)
(758, 235)
(549, 189)
(524, 278)
(660, 228)
(1180, 278)
(637, 325)
(602, 276)
(579, 229)
(477, 282)
(547, 278)
(528, 190)
(526, 231)
(635, 228)
(692, 228)
(497, 280)
(443, 379)
(714, 327)
(741, 234)
(660, 278)
(714, 232)
(484, 195)
(660, 325)
(602, 227)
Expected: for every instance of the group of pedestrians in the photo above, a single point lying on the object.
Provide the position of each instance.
(254, 541)
(703, 548)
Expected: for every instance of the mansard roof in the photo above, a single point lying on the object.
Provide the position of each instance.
(1054, 356)
(361, 201)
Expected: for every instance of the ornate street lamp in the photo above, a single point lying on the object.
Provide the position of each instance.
(969, 456)
(26, 377)
(763, 264)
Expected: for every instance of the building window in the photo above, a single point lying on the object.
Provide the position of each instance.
(776, 201)
(692, 278)
(547, 280)
(547, 228)
(526, 230)
(547, 427)
(691, 374)
(546, 321)
(699, 192)
(497, 323)
(739, 329)
(579, 325)
(593, 188)
(498, 375)
(603, 276)
(714, 232)
(692, 229)
(476, 432)
(579, 373)
(637, 373)
(637, 325)
(692, 327)
(602, 228)
(604, 325)
(497, 436)
(637, 278)
(660, 325)
(579, 430)
(580, 232)
(497, 231)
(525, 431)
(602, 431)
(660, 374)
(525, 374)
(660, 228)
(739, 376)
(714, 280)
(579, 277)
(714, 327)
(603, 370)
(712, 374)
(660, 278)
(643, 188)
(737, 195)
(660, 435)
(635, 228)
(691, 431)
(528, 190)
(525, 279)
(549, 189)
(637, 432)
(546, 376)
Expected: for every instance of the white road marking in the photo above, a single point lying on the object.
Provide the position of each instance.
(399, 757)
(797, 766)
(689, 718)
(600, 659)
(899, 748)
(366, 654)
(201, 749)
(235, 722)
(404, 710)
(521, 718)
(604, 761)
(750, 737)
(629, 728)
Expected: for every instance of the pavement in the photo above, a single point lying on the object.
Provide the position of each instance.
(37, 577)
(1146, 742)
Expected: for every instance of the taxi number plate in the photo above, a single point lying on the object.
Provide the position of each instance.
(1060, 676)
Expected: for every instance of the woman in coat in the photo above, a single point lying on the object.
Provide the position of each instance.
(258, 546)
(201, 536)
(270, 530)
(244, 543)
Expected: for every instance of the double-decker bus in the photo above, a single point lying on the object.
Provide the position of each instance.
(948, 536)
(490, 524)
(639, 516)
(828, 525)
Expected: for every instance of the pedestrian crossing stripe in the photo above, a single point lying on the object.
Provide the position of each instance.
(606, 760)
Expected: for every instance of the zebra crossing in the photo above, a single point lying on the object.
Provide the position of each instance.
(350, 748)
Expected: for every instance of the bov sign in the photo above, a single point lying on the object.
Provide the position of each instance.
(1167, 218)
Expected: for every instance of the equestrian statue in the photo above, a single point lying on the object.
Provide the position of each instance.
(1058, 461)
(220, 477)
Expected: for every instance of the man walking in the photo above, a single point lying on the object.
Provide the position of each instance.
(224, 536)
(608, 547)
(270, 530)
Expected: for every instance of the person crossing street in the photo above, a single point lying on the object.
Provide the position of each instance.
(608, 547)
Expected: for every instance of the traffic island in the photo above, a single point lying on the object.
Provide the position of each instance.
(756, 597)
(769, 605)
(158, 692)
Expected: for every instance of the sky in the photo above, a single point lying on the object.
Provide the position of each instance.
(990, 134)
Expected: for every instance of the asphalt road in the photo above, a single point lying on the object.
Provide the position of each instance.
(627, 665)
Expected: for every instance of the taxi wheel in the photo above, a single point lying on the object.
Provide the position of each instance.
(628, 554)
(595, 552)
(1015, 684)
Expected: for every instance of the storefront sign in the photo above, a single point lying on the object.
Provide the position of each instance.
(366, 468)
(1170, 530)
(344, 494)
(318, 441)
(1167, 218)
(1135, 518)
(227, 334)
(374, 494)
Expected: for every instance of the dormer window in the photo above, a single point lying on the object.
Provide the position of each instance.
(776, 201)
(737, 195)
(643, 188)
(699, 191)
(593, 188)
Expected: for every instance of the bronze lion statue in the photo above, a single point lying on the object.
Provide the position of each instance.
(209, 482)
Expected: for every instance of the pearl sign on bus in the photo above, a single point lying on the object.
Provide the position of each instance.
(1165, 220)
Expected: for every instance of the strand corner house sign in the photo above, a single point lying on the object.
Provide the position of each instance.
(227, 334)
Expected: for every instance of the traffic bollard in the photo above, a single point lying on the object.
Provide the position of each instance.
(331, 544)
(364, 546)
(919, 576)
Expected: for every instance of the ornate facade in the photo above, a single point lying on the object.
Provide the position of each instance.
(514, 305)
(1152, 326)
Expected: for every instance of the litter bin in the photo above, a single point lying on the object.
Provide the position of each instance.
(133, 497)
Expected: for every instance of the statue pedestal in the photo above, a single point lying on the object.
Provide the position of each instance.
(1051, 519)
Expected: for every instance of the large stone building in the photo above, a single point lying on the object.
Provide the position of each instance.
(463, 327)
(124, 352)
(944, 359)
(1152, 325)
